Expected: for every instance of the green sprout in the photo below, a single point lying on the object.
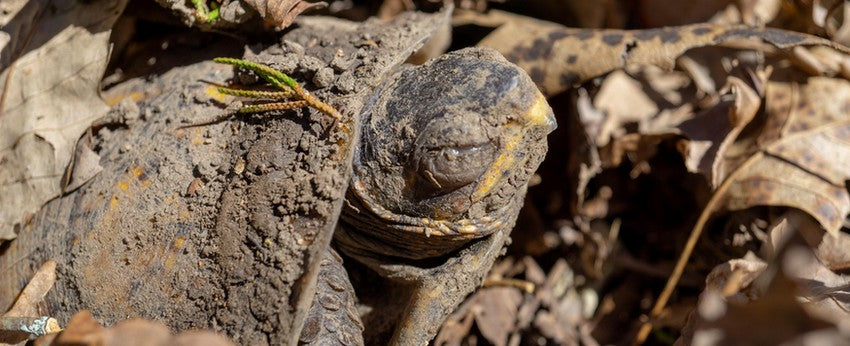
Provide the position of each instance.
(290, 95)
(289, 89)
(204, 13)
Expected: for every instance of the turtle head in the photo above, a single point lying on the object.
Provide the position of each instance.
(446, 152)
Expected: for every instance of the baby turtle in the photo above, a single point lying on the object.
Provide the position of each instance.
(229, 225)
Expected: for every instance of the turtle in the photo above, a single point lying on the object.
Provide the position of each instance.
(256, 226)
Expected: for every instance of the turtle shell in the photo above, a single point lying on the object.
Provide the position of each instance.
(220, 226)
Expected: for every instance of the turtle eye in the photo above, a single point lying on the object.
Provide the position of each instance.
(444, 169)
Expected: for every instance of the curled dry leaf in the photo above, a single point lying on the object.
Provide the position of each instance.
(85, 164)
(281, 13)
(558, 57)
(804, 156)
(711, 132)
(34, 292)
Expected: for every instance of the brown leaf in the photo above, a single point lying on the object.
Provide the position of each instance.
(623, 100)
(85, 164)
(658, 13)
(712, 131)
(33, 294)
(758, 12)
(494, 311)
(281, 13)
(805, 154)
(84, 330)
(52, 66)
(745, 318)
(495, 314)
(456, 327)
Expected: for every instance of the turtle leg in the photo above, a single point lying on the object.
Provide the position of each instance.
(332, 318)
(440, 290)
(414, 299)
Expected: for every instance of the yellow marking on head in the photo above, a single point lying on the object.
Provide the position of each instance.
(123, 185)
(113, 202)
(505, 161)
(537, 115)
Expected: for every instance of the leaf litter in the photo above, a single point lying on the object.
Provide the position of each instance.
(753, 121)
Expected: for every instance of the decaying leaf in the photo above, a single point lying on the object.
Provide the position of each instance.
(281, 13)
(52, 66)
(805, 153)
(658, 13)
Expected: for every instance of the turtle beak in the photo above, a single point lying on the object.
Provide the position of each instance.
(533, 126)
(540, 115)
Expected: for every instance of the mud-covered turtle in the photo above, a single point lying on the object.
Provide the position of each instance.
(229, 225)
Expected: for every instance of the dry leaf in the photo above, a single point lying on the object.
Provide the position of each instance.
(623, 100)
(52, 69)
(757, 315)
(494, 310)
(712, 131)
(85, 164)
(496, 313)
(34, 292)
(84, 330)
(758, 12)
(281, 13)
(805, 154)
(657, 13)
(456, 328)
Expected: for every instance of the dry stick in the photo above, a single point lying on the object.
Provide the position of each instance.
(523, 285)
(38, 326)
(709, 209)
